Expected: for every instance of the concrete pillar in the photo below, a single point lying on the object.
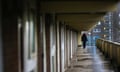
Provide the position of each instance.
(11, 10)
(66, 49)
(62, 39)
(58, 48)
(40, 30)
(10, 43)
(51, 45)
(54, 45)
(47, 29)
(1, 48)
(71, 44)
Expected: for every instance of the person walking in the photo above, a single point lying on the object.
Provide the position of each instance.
(84, 40)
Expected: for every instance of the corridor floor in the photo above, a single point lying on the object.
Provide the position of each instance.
(90, 60)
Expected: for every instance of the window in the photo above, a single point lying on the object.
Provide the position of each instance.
(104, 35)
(119, 23)
(96, 30)
(104, 28)
(119, 14)
(99, 23)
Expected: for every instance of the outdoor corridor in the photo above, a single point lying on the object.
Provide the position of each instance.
(90, 60)
(48, 35)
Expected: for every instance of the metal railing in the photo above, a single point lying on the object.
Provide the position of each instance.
(111, 50)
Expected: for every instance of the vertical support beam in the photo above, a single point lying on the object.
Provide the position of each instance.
(58, 48)
(69, 32)
(76, 42)
(71, 44)
(40, 47)
(10, 44)
(47, 29)
(1, 48)
(10, 12)
(65, 47)
(54, 40)
(50, 32)
(43, 42)
(56, 32)
(39, 35)
(62, 46)
(68, 48)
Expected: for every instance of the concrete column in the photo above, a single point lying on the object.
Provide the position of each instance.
(40, 51)
(43, 42)
(66, 49)
(50, 42)
(58, 48)
(62, 46)
(76, 42)
(69, 53)
(71, 45)
(1, 48)
(40, 30)
(10, 43)
(11, 10)
(54, 45)
(47, 29)
(73, 42)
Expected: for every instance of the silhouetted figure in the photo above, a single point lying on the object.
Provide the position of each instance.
(84, 40)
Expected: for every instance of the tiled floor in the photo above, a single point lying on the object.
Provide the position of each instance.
(90, 60)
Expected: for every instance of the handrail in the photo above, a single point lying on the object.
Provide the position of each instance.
(109, 41)
(111, 50)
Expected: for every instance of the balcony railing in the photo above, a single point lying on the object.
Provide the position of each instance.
(111, 50)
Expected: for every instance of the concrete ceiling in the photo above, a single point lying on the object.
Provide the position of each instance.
(80, 15)
(80, 21)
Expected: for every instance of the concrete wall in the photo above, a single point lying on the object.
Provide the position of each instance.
(1, 67)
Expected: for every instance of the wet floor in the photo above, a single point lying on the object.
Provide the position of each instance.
(89, 60)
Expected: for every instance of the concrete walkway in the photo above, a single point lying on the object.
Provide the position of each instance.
(90, 60)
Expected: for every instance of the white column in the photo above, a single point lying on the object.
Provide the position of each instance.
(71, 44)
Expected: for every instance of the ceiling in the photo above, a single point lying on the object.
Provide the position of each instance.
(81, 15)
